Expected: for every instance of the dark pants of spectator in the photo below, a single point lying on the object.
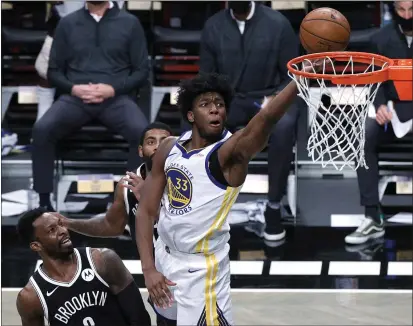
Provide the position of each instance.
(281, 143)
(368, 179)
(67, 115)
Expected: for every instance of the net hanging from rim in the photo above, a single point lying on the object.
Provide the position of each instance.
(337, 113)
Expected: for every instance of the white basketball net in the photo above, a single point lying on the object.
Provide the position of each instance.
(336, 128)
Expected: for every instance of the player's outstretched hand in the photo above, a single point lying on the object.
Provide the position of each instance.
(157, 286)
(316, 66)
(135, 184)
(119, 189)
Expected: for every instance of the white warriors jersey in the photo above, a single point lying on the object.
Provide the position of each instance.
(195, 206)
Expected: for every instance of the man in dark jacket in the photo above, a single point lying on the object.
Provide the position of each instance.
(251, 44)
(98, 59)
(393, 41)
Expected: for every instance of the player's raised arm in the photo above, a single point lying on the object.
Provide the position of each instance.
(110, 225)
(111, 268)
(235, 154)
(29, 307)
(145, 216)
(149, 205)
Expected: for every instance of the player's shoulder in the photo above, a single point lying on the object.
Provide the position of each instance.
(27, 291)
(27, 298)
(102, 255)
(98, 253)
(166, 146)
(104, 258)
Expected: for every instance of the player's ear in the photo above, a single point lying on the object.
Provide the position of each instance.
(190, 116)
(140, 150)
(35, 246)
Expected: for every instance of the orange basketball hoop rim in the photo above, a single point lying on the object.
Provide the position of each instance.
(398, 70)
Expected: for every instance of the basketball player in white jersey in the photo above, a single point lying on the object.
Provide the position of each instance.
(123, 209)
(75, 286)
(197, 178)
(126, 201)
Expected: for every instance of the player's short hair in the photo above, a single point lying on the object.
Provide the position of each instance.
(154, 125)
(25, 228)
(203, 83)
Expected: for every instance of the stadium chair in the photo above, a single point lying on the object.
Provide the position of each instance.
(173, 59)
(395, 167)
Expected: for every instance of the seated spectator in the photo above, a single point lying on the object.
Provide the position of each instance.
(45, 93)
(98, 61)
(251, 44)
(393, 41)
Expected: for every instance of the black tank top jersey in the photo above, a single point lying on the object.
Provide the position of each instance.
(131, 203)
(85, 301)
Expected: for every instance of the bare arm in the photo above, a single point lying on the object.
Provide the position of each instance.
(111, 268)
(235, 154)
(149, 205)
(29, 307)
(110, 225)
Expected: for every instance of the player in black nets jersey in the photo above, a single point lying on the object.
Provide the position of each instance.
(123, 209)
(75, 286)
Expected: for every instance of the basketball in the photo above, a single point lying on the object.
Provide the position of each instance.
(324, 30)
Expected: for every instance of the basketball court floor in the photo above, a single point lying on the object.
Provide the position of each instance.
(311, 278)
(286, 307)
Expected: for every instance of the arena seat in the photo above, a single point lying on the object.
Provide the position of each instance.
(174, 57)
(395, 168)
(93, 144)
(19, 104)
(12, 35)
(20, 48)
(92, 150)
(178, 36)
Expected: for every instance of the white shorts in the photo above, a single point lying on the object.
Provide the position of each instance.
(202, 291)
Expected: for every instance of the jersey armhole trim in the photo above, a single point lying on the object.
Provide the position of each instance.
(208, 171)
(40, 296)
(92, 265)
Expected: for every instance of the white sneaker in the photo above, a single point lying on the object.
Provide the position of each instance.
(8, 142)
(366, 231)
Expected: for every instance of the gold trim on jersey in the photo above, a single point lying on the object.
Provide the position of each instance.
(211, 261)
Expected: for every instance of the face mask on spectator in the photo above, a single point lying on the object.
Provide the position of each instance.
(405, 24)
(239, 7)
